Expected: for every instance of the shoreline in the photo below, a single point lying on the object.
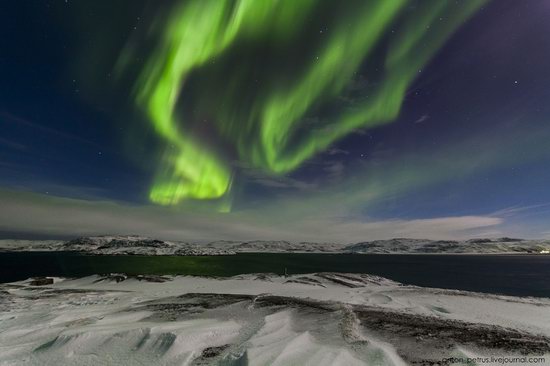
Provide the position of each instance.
(487, 273)
(88, 253)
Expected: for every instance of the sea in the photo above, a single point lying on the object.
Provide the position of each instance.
(517, 275)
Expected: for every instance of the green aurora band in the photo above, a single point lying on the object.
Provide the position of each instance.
(220, 47)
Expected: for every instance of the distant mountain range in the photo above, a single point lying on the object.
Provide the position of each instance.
(137, 245)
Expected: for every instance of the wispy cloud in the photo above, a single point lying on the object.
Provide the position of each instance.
(258, 177)
(35, 213)
(339, 212)
(283, 182)
(337, 151)
(522, 210)
(422, 118)
(335, 170)
(12, 144)
(37, 127)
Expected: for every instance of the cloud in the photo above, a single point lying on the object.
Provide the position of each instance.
(335, 170)
(41, 214)
(447, 227)
(337, 151)
(12, 144)
(39, 128)
(283, 182)
(343, 211)
(274, 181)
(333, 229)
(422, 118)
(514, 211)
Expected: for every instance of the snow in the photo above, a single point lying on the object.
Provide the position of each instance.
(314, 319)
(137, 245)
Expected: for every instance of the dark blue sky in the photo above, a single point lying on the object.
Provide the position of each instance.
(469, 147)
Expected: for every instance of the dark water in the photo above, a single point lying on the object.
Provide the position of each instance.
(520, 275)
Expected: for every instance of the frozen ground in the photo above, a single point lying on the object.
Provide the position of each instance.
(316, 319)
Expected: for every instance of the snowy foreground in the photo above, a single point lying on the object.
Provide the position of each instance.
(317, 319)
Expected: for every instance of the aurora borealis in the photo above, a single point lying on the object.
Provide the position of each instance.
(267, 130)
(306, 120)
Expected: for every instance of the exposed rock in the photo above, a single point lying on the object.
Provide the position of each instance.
(210, 352)
(119, 277)
(41, 281)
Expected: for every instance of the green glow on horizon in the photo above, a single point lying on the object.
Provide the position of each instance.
(270, 134)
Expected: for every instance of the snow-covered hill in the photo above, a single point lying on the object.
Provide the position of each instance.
(114, 245)
(472, 246)
(138, 245)
(276, 246)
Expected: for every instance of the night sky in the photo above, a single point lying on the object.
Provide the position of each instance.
(295, 120)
